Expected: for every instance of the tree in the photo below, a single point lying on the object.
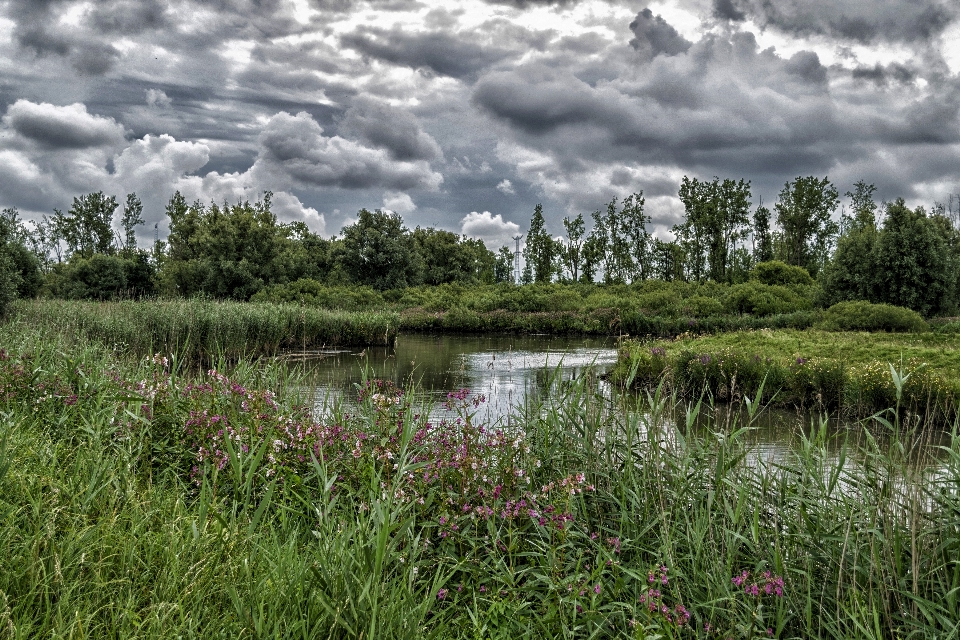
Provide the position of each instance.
(447, 257)
(634, 222)
(913, 262)
(862, 204)
(667, 260)
(804, 212)
(762, 235)
(717, 220)
(225, 251)
(573, 251)
(595, 248)
(132, 216)
(503, 266)
(618, 258)
(378, 251)
(23, 263)
(538, 252)
(86, 227)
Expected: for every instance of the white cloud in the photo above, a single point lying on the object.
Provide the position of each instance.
(399, 202)
(158, 98)
(492, 229)
(506, 187)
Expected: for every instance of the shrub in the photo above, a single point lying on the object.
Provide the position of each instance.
(776, 272)
(316, 294)
(865, 316)
(760, 299)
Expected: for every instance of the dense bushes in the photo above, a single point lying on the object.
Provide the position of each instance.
(865, 316)
(910, 262)
(102, 277)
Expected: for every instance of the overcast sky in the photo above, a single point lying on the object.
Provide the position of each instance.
(464, 114)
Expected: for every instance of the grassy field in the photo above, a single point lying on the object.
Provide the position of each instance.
(139, 500)
(831, 370)
(203, 330)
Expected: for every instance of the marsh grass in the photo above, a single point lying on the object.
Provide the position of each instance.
(127, 510)
(203, 330)
(819, 370)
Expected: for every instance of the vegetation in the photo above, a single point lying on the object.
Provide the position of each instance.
(139, 501)
(204, 330)
(814, 369)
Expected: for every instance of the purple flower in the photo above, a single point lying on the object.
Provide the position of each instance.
(441, 594)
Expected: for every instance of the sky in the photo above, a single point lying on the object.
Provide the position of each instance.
(464, 114)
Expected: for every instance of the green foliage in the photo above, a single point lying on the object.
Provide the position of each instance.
(538, 251)
(316, 294)
(804, 211)
(717, 219)
(228, 251)
(446, 257)
(914, 266)
(865, 316)
(762, 235)
(201, 330)
(760, 299)
(86, 227)
(775, 272)
(121, 519)
(831, 371)
(378, 251)
(907, 263)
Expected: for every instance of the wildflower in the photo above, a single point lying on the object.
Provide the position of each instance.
(441, 594)
(596, 589)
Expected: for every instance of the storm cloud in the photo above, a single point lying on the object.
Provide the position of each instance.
(443, 110)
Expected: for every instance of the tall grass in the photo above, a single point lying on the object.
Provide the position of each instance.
(828, 371)
(204, 329)
(138, 501)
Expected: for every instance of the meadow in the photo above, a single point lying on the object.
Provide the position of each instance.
(141, 497)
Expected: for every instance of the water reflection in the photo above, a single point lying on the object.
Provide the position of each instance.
(508, 370)
(512, 371)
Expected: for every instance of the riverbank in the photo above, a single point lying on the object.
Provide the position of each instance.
(138, 498)
(204, 330)
(828, 370)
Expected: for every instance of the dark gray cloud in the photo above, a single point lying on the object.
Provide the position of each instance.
(862, 21)
(883, 74)
(129, 17)
(439, 52)
(390, 128)
(727, 10)
(566, 103)
(656, 35)
(296, 148)
(69, 127)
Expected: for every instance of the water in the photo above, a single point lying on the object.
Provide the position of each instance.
(509, 370)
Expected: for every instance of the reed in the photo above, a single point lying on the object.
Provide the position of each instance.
(140, 498)
(202, 330)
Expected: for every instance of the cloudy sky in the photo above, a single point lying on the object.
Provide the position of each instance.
(463, 114)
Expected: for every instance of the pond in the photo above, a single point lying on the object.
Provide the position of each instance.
(511, 370)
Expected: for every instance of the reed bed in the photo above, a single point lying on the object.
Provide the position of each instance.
(201, 330)
(137, 500)
(854, 373)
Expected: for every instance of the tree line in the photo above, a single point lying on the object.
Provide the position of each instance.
(880, 252)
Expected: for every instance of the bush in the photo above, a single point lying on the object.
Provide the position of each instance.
(866, 316)
(760, 299)
(316, 294)
(776, 272)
